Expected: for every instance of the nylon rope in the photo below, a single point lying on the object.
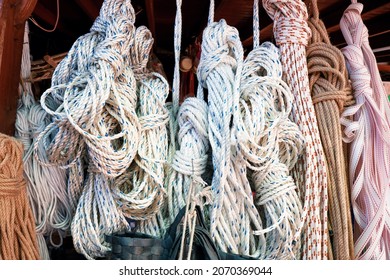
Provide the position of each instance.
(368, 134)
(271, 144)
(233, 215)
(329, 86)
(292, 34)
(94, 123)
(46, 186)
(141, 191)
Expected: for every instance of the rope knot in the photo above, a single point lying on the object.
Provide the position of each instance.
(290, 21)
(220, 41)
(353, 28)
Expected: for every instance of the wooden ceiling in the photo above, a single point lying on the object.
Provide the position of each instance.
(76, 17)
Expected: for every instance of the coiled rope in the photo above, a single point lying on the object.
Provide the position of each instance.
(292, 34)
(140, 192)
(46, 186)
(368, 134)
(233, 217)
(329, 86)
(271, 144)
(17, 228)
(94, 119)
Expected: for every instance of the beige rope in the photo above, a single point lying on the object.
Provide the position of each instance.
(328, 80)
(17, 226)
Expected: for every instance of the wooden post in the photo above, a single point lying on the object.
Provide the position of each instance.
(13, 16)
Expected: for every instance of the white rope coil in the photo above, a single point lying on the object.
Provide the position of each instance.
(46, 185)
(141, 197)
(233, 216)
(92, 103)
(271, 144)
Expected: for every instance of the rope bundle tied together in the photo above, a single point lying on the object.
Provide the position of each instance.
(368, 134)
(292, 35)
(328, 80)
(271, 144)
(17, 228)
(233, 215)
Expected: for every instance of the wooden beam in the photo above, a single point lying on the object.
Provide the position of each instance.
(50, 19)
(149, 6)
(90, 7)
(13, 15)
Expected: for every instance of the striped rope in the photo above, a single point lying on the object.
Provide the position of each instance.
(292, 34)
(368, 134)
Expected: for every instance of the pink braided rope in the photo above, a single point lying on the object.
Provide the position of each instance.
(369, 135)
(292, 33)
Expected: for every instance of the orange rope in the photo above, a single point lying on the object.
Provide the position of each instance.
(17, 228)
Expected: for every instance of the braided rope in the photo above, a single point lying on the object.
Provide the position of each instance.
(142, 197)
(233, 215)
(292, 34)
(329, 88)
(46, 186)
(368, 134)
(273, 144)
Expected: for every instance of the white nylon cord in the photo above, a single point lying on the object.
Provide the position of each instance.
(46, 185)
(233, 216)
(140, 192)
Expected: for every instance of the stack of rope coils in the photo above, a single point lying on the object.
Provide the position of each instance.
(46, 186)
(328, 80)
(292, 35)
(368, 134)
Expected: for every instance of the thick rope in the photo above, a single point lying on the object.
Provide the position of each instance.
(93, 104)
(329, 86)
(292, 34)
(17, 228)
(142, 196)
(46, 186)
(368, 134)
(233, 216)
(271, 144)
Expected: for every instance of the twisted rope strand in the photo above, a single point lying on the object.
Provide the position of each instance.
(292, 34)
(368, 134)
(328, 81)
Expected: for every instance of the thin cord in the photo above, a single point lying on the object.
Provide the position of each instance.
(56, 23)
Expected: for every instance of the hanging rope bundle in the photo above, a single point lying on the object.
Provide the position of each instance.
(292, 34)
(270, 143)
(328, 80)
(233, 217)
(46, 186)
(141, 193)
(368, 134)
(94, 94)
(17, 229)
(190, 161)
